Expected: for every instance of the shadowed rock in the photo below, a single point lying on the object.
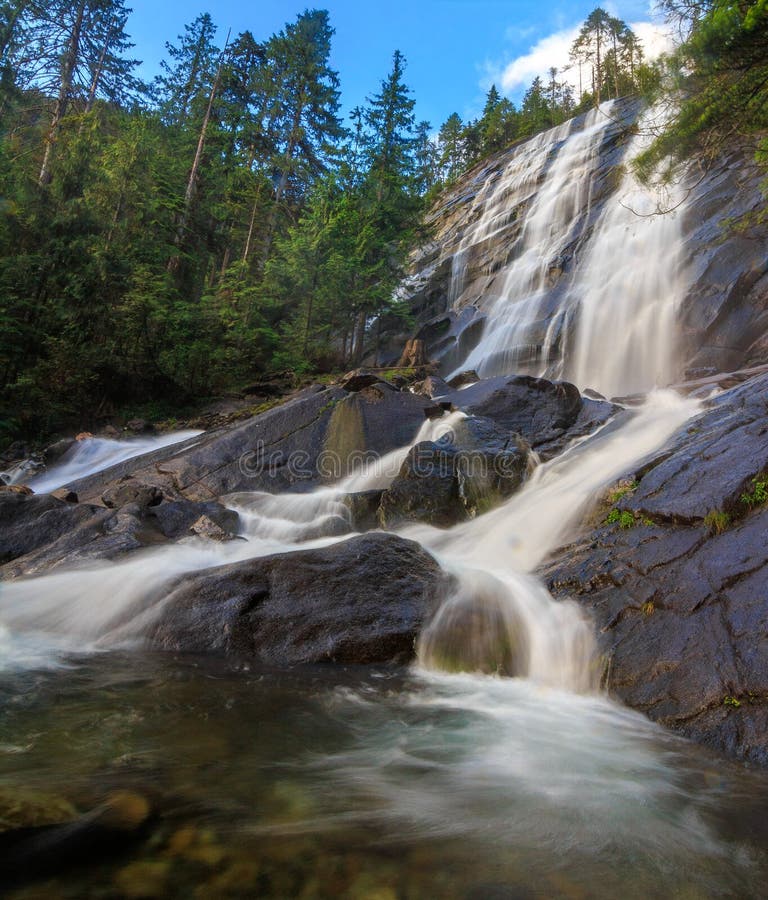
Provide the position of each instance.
(360, 601)
(465, 473)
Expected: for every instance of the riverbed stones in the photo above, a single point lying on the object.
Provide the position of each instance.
(363, 600)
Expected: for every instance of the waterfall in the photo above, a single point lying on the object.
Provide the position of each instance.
(587, 290)
(499, 606)
(627, 291)
(499, 618)
(94, 454)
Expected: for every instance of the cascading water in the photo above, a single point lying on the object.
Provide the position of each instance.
(628, 289)
(497, 773)
(94, 454)
(592, 301)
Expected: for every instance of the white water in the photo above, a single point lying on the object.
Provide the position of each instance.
(623, 279)
(111, 605)
(93, 455)
(627, 292)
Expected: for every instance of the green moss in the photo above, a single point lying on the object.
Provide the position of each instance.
(731, 701)
(648, 608)
(717, 521)
(621, 489)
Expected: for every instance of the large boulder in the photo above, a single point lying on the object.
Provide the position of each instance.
(464, 473)
(361, 601)
(675, 575)
(317, 436)
(547, 414)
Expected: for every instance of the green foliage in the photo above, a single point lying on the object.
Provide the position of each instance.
(623, 518)
(732, 702)
(759, 493)
(622, 489)
(717, 521)
(720, 74)
(224, 227)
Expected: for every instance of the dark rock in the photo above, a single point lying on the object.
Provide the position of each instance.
(712, 462)
(131, 490)
(31, 521)
(438, 410)
(65, 494)
(45, 849)
(42, 533)
(432, 387)
(319, 435)
(360, 601)
(463, 378)
(679, 600)
(362, 509)
(205, 527)
(174, 518)
(360, 379)
(425, 490)
(464, 473)
(539, 410)
(109, 431)
(55, 451)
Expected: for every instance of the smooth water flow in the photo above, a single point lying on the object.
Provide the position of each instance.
(627, 292)
(92, 455)
(445, 780)
(591, 301)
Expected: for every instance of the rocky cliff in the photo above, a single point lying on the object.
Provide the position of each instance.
(482, 233)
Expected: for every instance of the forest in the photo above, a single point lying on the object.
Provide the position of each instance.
(163, 242)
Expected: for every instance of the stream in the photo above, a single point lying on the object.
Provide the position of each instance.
(377, 783)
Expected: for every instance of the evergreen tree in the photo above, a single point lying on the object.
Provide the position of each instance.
(451, 144)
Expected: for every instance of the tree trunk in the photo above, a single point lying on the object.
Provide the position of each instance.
(68, 65)
(414, 355)
(99, 70)
(189, 194)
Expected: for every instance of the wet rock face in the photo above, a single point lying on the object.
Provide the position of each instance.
(315, 437)
(678, 584)
(723, 317)
(457, 477)
(360, 601)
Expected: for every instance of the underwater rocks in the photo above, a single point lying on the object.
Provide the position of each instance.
(359, 601)
(675, 576)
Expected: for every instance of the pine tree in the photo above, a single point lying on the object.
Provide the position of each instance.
(452, 147)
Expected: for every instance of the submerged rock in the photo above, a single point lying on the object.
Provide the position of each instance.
(360, 601)
(676, 583)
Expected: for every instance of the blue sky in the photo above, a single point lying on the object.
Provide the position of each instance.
(455, 48)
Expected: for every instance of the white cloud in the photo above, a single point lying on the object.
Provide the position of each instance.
(553, 52)
(548, 52)
(656, 39)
